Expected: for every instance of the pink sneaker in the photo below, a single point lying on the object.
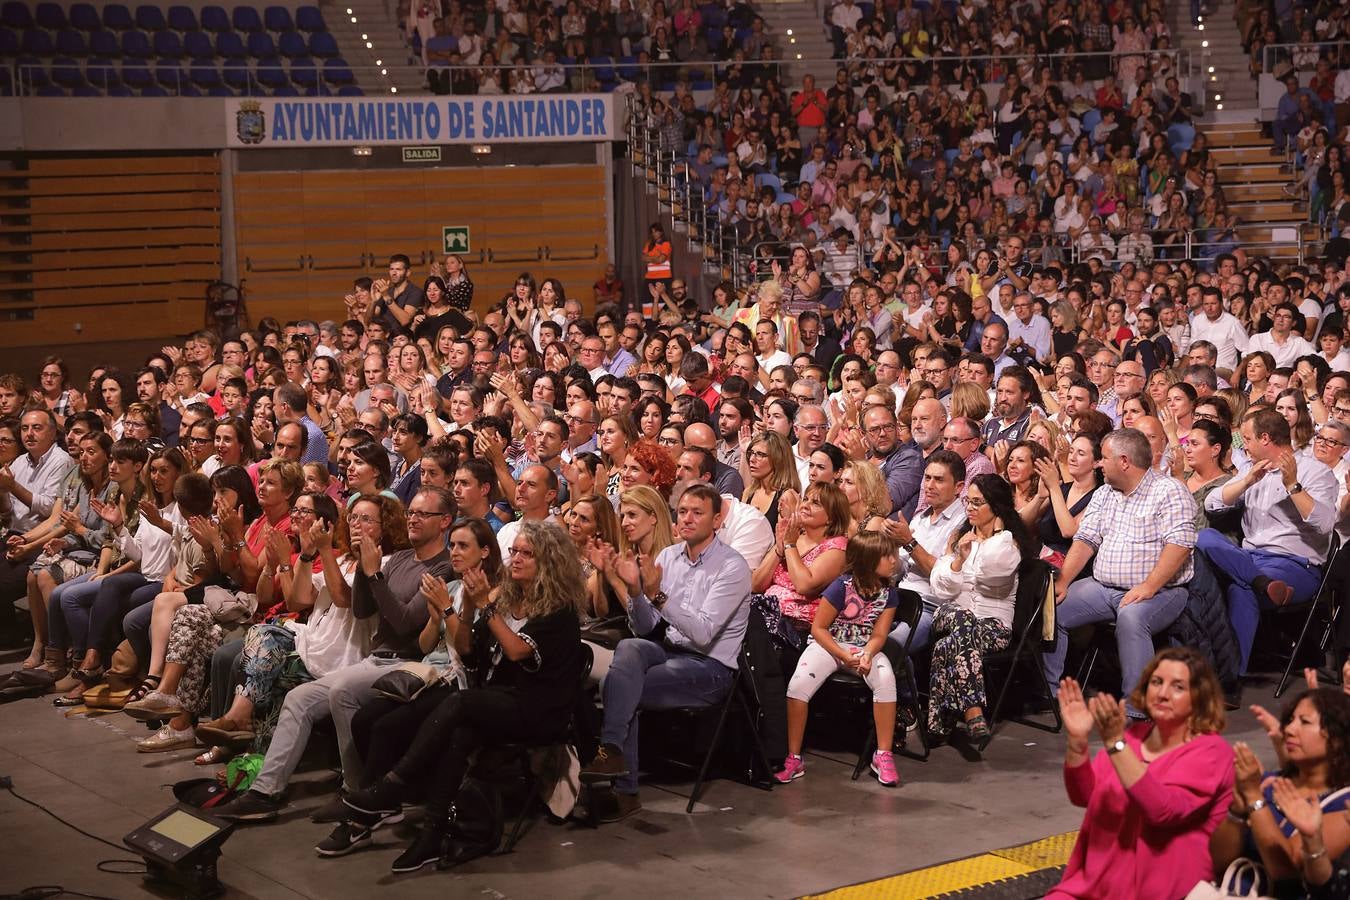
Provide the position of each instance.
(883, 766)
(793, 768)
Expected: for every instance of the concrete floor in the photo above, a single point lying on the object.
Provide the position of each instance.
(820, 832)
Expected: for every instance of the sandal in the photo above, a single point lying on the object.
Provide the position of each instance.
(148, 684)
(89, 677)
(213, 756)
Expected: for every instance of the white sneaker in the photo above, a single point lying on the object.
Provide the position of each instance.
(166, 739)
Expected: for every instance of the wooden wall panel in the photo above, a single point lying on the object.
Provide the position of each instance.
(103, 248)
(302, 237)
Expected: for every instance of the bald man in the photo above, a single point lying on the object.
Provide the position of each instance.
(1127, 382)
(726, 479)
(926, 425)
(811, 428)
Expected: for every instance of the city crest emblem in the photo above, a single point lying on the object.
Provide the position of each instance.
(250, 123)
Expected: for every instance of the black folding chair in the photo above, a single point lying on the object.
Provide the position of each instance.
(1027, 646)
(1322, 600)
(908, 610)
(743, 697)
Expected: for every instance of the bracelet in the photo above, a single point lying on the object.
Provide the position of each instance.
(308, 557)
(284, 569)
(1309, 857)
(265, 573)
(237, 546)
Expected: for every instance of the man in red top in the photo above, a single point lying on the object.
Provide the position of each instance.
(808, 108)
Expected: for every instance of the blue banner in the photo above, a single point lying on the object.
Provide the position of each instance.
(357, 121)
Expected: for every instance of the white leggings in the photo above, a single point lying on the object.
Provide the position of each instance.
(816, 664)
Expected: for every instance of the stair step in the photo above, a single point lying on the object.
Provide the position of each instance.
(1233, 173)
(1253, 154)
(1266, 210)
(1250, 192)
(1233, 136)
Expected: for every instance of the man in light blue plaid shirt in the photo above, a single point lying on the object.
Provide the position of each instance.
(1141, 526)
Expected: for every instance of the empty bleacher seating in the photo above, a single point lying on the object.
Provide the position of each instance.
(88, 49)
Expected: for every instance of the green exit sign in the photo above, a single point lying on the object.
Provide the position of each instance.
(421, 154)
(455, 239)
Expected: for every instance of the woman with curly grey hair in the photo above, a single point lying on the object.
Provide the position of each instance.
(527, 656)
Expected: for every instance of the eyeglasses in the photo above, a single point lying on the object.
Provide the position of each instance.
(1129, 375)
(366, 520)
(668, 442)
(197, 440)
(1097, 364)
(880, 429)
(757, 454)
(957, 440)
(1323, 439)
(573, 420)
(804, 427)
(8, 441)
(421, 514)
(1340, 410)
(973, 501)
(526, 552)
(302, 511)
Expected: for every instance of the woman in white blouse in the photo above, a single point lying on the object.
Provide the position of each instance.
(976, 583)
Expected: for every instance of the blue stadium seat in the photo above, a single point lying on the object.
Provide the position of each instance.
(66, 72)
(104, 43)
(270, 73)
(628, 69)
(230, 45)
(236, 74)
(36, 42)
(182, 18)
(101, 73)
(261, 45)
(197, 44)
(220, 90)
(154, 90)
(336, 71)
(151, 18)
(168, 45)
(84, 17)
(120, 90)
(292, 45)
(136, 45)
(714, 38)
(86, 90)
(304, 73)
(350, 90)
(278, 19)
(767, 179)
(70, 42)
(322, 45)
(137, 75)
(204, 74)
(9, 43)
(309, 19)
(188, 89)
(49, 16)
(246, 19)
(117, 17)
(214, 18)
(169, 74)
(32, 73)
(16, 14)
(286, 91)
(318, 90)
(701, 85)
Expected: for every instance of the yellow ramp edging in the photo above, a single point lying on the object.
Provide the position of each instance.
(962, 873)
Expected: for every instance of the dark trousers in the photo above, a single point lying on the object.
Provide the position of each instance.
(384, 728)
(13, 586)
(461, 724)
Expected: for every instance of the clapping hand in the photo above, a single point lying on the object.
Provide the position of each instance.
(1247, 774)
(1049, 473)
(1302, 811)
(1073, 710)
(71, 522)
(319, 537)
(436, 594)
(203, 531)
(1109, 714)
(476, 587)
(628, 568)
(108, 512)
(651, 574)
(231, 521)
(368, 551)
(278, 547)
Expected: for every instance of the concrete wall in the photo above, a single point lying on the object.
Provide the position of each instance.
(111, 123)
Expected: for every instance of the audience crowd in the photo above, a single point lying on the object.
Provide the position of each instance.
(441, 529)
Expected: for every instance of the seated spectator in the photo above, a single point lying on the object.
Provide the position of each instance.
(847, 633)
(527, 693)
(390, 589)
(1164, 782)
(1138, 531)
(807, 556)
(1290, 819)
(698, 590)
(1288, 504)
(975, 583)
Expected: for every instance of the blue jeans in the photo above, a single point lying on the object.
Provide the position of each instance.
(1237, 568)
(645, 675)
(1089, 601)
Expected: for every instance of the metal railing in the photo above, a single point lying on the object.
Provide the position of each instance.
(1274, 54)
(247, 78)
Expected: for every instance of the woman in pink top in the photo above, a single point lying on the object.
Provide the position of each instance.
(1159, 789)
